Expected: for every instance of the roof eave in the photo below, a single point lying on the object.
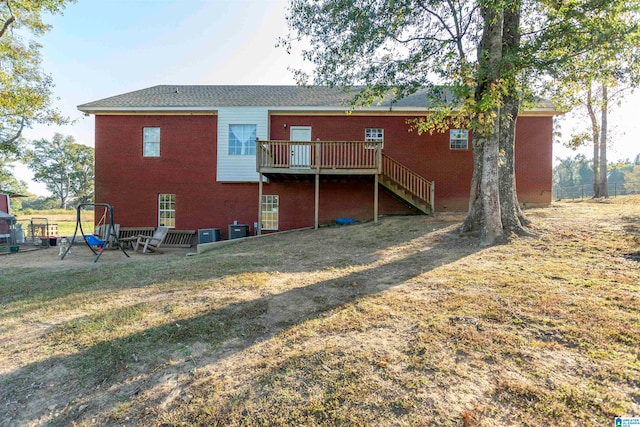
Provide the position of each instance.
(133, 110)
(541, 111)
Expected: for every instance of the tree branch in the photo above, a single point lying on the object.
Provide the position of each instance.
(458, 37)
(439, 18)
(409, 40)
(17, 135)
(9, 20)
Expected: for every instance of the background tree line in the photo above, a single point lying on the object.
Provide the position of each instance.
(64, 166)
(573, 177)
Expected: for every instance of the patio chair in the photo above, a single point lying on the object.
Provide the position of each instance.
(151, 243)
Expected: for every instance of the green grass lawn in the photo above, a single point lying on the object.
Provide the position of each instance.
(404, 323)
(64, 219)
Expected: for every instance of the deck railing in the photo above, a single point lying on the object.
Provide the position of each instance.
(318, 155)
(342, 157)
(408, 180)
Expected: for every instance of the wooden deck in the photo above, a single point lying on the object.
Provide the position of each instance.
(287, 161)
(276, 159)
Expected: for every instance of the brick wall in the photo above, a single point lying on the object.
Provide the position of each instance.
(187, 168)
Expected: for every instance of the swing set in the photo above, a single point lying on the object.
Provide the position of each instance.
(111, 236)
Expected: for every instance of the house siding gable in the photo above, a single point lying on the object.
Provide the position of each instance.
(235, 168)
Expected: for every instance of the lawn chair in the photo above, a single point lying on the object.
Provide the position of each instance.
(152, 243)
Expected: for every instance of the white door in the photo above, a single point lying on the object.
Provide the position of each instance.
(300, 154)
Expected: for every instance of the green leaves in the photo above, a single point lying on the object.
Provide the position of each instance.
(402, 44)
(25, 90)
(65, 167)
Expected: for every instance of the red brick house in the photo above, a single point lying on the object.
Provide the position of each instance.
(194, 157)
(4, 203)
(5, 218)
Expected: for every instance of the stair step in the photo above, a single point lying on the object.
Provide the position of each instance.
(397, 187)
(409, 198)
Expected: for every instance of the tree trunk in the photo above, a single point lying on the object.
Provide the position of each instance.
(474, 219)
(602, 184)
(513, 220)
(492, 231)
(595, 135)
(484, 203)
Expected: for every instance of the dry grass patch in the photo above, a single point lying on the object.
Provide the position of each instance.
(404, 323)
(65, 219)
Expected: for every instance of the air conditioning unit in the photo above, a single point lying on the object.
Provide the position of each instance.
(208, 235)
(237, 231)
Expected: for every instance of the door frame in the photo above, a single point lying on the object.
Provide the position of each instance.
(300, 155)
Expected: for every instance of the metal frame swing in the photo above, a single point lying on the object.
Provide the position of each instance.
(95, 240)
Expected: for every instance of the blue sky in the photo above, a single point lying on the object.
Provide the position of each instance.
(101, 48)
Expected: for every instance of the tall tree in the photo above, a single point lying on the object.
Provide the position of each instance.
(484, 206)
(396, 48)
(82, 173)
(26, 91)
(481, 50)
(66, 168)
(603, 67)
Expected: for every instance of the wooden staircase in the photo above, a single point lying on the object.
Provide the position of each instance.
(407, 185)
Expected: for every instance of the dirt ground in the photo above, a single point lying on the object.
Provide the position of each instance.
(260, 309)
(80, 256)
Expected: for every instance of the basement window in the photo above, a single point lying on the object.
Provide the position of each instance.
(459, 139)
(270, 212)
(167, 210)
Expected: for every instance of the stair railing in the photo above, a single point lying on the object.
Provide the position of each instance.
(409, 180)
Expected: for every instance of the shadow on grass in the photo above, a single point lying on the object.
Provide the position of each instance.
(111, 367)
(631, 224)
(29, 288)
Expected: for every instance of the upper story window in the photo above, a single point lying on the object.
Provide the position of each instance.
(151, 142)
(459, 139)
(374, 135)
(242, 140)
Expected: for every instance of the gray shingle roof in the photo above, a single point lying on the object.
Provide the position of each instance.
(167, 96)
(213, 97)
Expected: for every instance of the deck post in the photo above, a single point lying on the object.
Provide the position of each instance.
(317, 199)
(258, 155)
(375, 198)
(259, 230)
(433, 197)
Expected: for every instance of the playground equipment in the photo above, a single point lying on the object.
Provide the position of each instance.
(96, 244)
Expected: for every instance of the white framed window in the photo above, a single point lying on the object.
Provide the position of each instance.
(151, 142)
(374, 135)
(270, 212)
(167, 210)
(242, 140)
(459, 139)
